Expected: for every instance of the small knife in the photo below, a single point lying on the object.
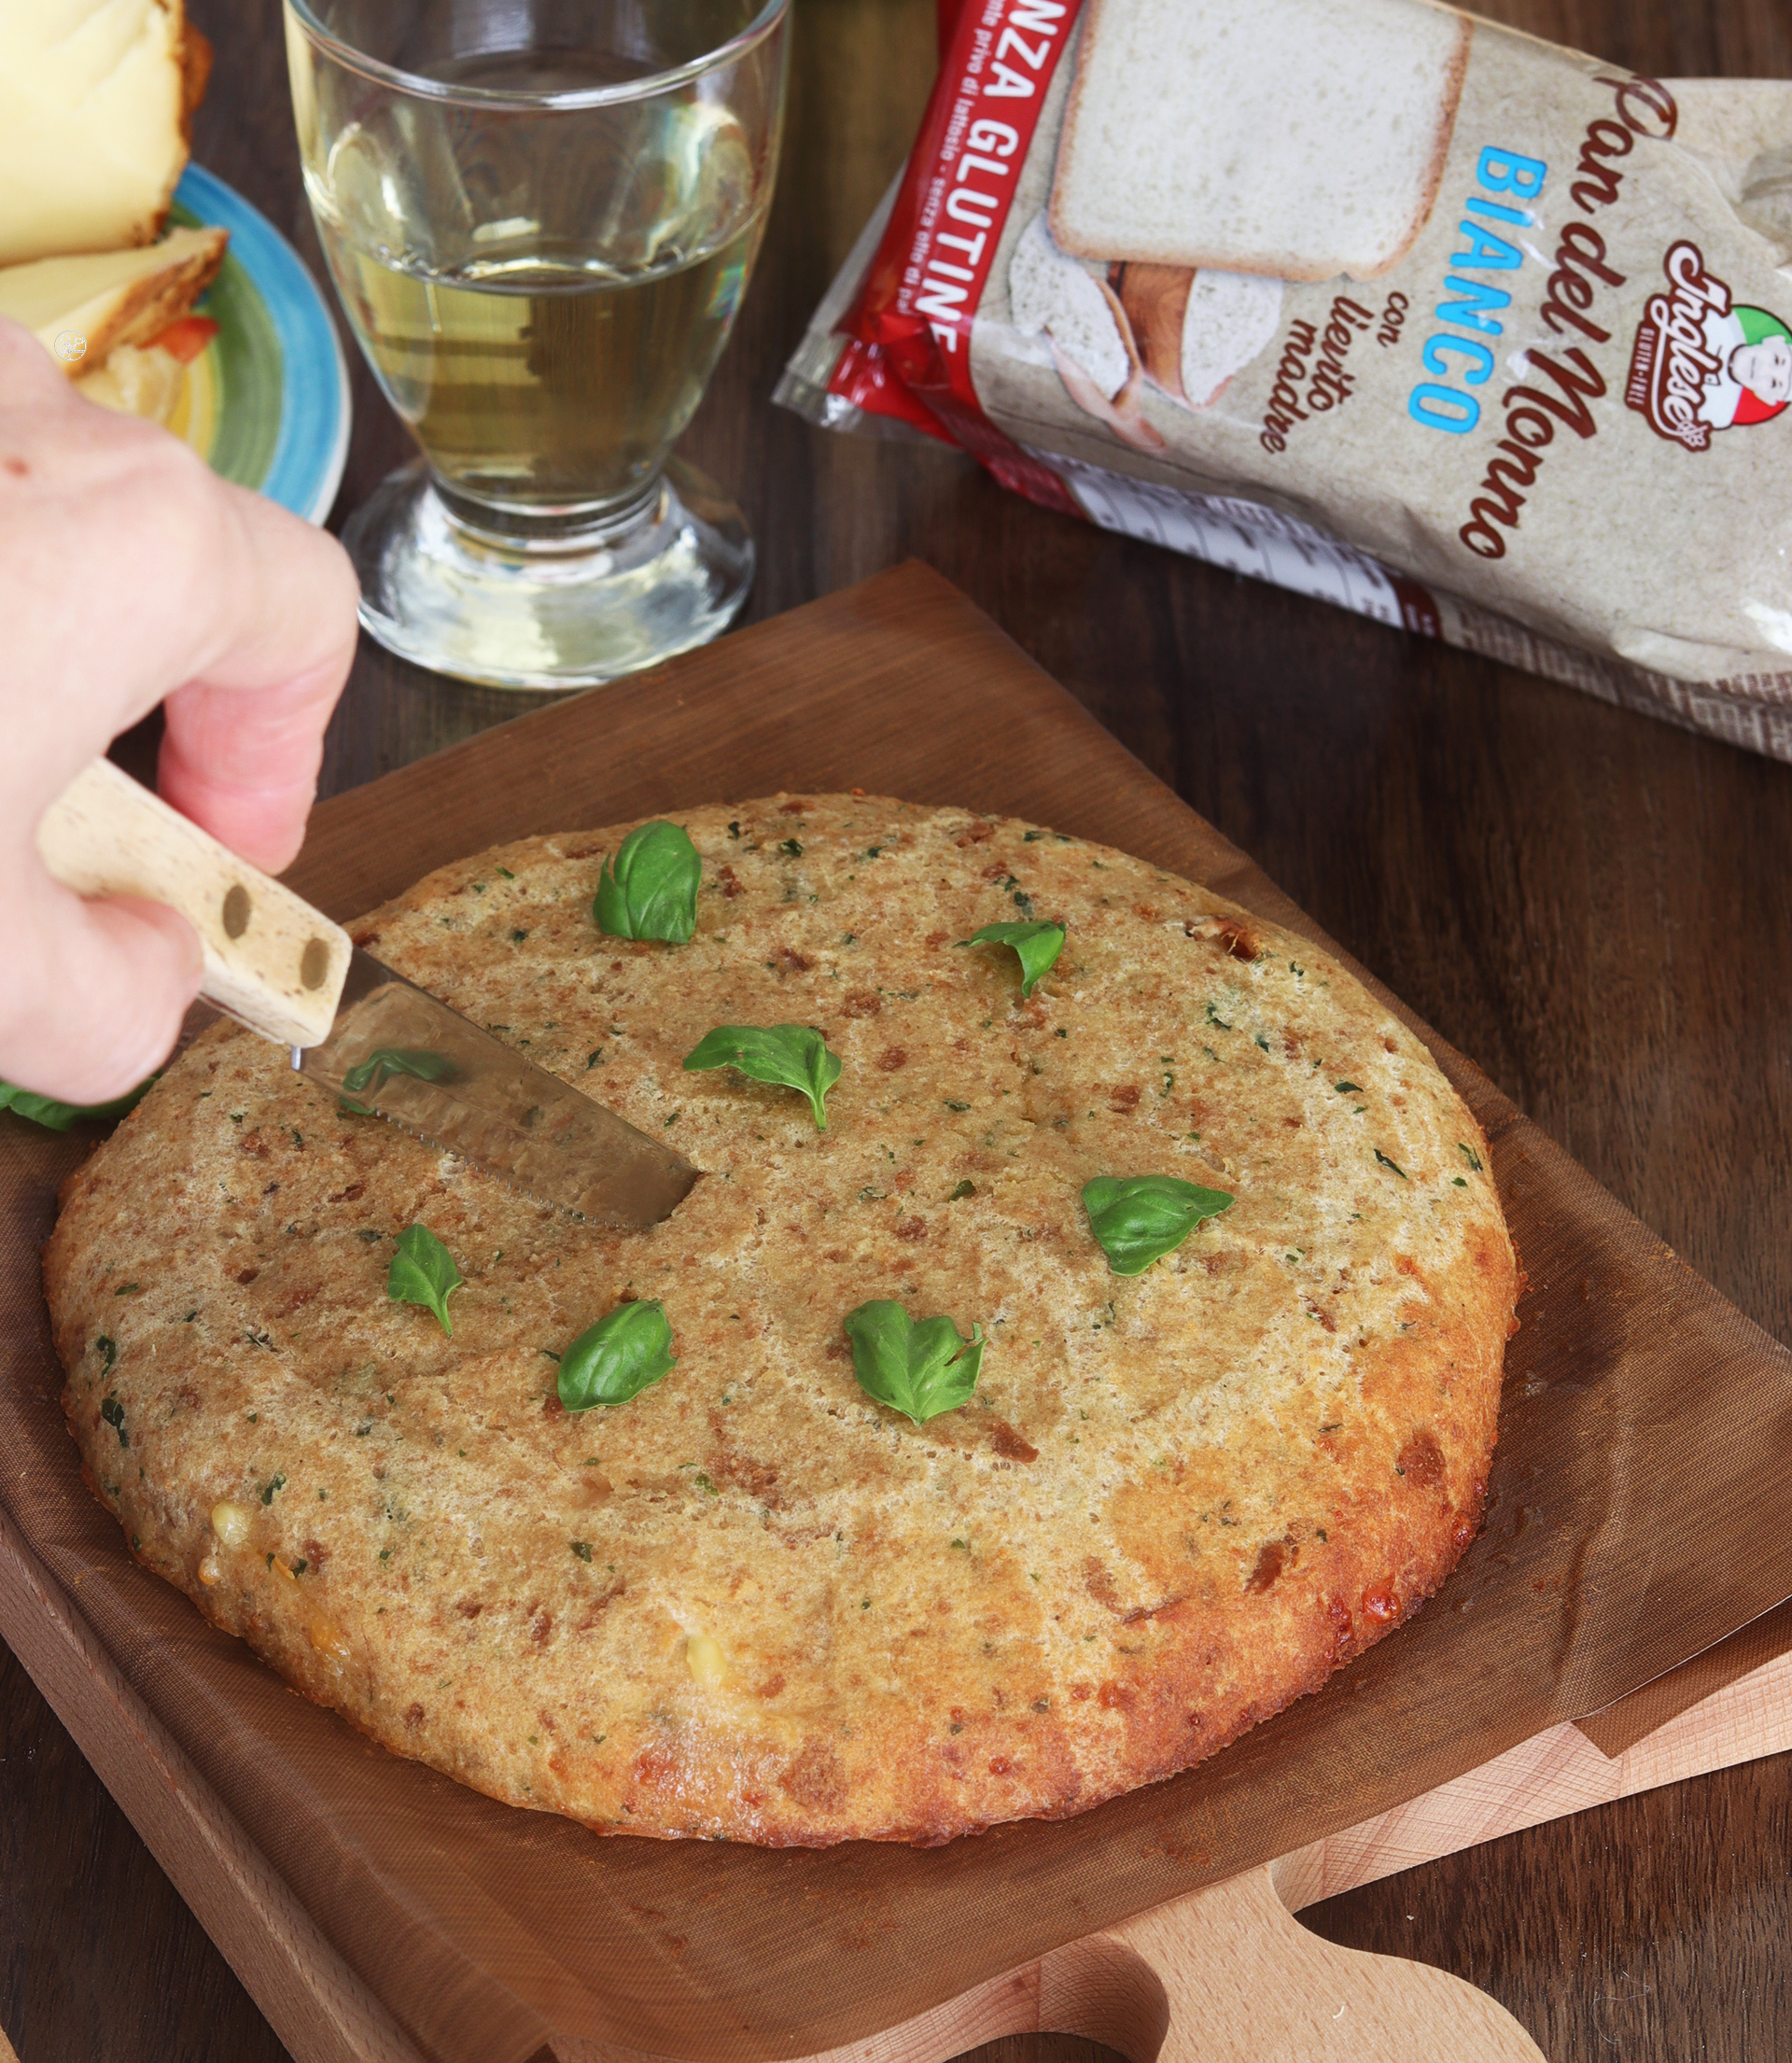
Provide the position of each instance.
(355, 1028)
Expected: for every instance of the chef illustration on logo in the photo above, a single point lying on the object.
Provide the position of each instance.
(1753, 378)
(1704, 363)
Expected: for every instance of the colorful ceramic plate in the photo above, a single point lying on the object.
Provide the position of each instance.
(266, 402)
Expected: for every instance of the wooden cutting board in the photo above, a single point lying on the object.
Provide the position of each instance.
(1117, 1924)
(1225, 1974)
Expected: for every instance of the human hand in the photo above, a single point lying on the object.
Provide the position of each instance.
(130, 574)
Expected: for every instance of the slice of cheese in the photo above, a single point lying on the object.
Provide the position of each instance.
(81, 308)
(96, 97)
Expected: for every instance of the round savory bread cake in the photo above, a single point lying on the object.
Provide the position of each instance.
(753, 1603)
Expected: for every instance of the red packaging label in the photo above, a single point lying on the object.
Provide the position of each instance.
(931, 270)
(911, 327)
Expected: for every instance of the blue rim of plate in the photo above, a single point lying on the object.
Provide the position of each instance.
(311, 443)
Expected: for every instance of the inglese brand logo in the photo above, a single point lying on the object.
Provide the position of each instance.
(70, 346)
(1703, 362)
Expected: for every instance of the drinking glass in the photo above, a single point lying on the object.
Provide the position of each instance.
(541, 216)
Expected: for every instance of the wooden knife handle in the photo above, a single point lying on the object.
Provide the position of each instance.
(271, 961)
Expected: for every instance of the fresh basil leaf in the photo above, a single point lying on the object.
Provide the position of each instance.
(423, 1272)
(618, 1358)
(1037, 944)
(399, 1060)
(58, 1116)
(648, 888)
(793, 1056)
(1139, 1218)
(918, 1369)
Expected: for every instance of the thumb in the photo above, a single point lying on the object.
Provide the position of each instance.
(102, 990)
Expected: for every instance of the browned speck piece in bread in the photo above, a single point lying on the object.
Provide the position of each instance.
(751, 1602)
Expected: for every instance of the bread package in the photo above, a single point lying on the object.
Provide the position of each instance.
(1372, 299)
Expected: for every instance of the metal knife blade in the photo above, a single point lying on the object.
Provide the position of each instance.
(397, 1050)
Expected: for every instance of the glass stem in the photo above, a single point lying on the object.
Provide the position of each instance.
(575, 527)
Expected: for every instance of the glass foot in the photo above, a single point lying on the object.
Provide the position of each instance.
(564, 613)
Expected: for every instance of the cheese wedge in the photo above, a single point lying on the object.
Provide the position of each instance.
(95, 101)
(81, 309)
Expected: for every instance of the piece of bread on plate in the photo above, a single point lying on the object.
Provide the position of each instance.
(101, 314)
(96, 104)
(1298, 138)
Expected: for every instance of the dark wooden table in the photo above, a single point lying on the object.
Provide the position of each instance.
(1589, 902)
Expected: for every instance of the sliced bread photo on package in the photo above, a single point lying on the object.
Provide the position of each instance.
(1229, 320)
(1090, 340)
(1299, 138)
(1052, 293)
(1481, 338)
(1194, 330)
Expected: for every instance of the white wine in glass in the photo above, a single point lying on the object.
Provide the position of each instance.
(541, 251)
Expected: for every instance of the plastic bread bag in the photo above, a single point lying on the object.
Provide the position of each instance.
(1386, 304)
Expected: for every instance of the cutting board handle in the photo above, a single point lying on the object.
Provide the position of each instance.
(1229, 1975)
(271, 961)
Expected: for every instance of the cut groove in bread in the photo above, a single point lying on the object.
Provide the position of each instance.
(1300, 138)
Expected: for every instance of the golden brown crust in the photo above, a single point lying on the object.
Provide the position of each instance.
(195, 74)
(191, 49)
(146, 309)
(1153, 299)
(751, 1603)
(1445, 132)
